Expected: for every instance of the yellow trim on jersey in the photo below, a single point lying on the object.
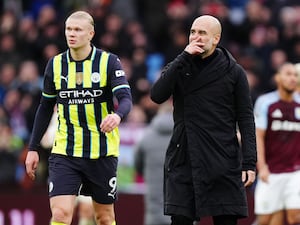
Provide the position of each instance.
(78, 131)
(95, 140)
(103, 82)
(113, 140)
(72, 74)
(60, 136)
(57, 71)
(58, 223)
(87, 74)
(89, 112)
(73, 113)
(103, 69)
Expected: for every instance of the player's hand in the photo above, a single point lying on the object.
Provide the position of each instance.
(248, 177)
(31, 163)
(110, 122)
(264, 173)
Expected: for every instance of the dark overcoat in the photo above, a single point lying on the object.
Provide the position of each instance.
(204, 160)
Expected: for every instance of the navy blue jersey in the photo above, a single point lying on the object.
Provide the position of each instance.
(84, 93)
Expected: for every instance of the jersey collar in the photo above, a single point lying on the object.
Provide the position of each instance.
(89, 57)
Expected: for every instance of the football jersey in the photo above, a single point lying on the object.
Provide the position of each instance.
(84, 95)
(281, 122)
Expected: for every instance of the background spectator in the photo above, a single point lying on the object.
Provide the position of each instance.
(149, 163)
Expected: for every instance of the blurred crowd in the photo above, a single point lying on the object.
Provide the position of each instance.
(146, 35)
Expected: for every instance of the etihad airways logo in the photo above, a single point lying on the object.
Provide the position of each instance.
(79, 96)
(80, 93)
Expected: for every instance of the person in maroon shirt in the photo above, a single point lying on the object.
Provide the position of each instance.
(277, 119)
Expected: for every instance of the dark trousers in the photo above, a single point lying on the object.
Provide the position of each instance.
(225, 220)
(218, 220)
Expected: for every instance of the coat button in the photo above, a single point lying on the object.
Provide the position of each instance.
(178, 145)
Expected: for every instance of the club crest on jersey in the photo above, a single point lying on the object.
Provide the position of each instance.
(79, 78)
(297, 113)
(95, 77)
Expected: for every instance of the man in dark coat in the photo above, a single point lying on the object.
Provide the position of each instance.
(206, 170)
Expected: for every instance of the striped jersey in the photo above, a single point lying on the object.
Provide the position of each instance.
(84, 95)
(281, 122)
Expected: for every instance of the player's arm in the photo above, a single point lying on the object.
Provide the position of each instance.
(41, 122)
(121, 90)
(261, 122)
(120, 87)
(45, 109)
(262, 166)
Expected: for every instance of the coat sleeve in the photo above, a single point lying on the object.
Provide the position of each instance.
(245, 119)
(163, 88)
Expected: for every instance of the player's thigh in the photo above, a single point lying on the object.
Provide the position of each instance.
(292, 199)
(293, 216)
(292, 190)
(277, 218)
(64, 175)
(100, 181)
(268, 196)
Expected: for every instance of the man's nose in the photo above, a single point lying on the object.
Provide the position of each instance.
(198, 37)
(71, 32)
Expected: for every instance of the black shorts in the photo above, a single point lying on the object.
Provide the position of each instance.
(92, 177)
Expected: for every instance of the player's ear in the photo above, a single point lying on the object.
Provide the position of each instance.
(91, 33)
(217, 38)
(276, 78)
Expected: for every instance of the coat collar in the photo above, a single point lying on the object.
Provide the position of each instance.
(209, 70)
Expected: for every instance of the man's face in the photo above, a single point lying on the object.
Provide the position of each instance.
(203, 32)
(79, 32)
(287, 79)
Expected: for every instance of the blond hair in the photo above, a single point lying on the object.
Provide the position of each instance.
(82, 15)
